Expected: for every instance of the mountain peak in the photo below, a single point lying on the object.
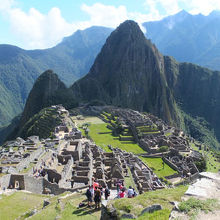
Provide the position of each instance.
(129, 27)
(128, 72)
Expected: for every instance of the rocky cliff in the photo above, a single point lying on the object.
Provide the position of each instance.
(129, 72)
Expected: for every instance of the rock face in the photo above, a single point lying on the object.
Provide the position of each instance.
(128, 72)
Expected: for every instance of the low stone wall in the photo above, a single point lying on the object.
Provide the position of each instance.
(157, 155)
(56, 190)
(175, 175)
(169, 163)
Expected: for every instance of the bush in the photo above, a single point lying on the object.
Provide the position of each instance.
(163, 148)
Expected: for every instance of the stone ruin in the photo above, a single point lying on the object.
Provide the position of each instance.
(148, 131)
(69, 162)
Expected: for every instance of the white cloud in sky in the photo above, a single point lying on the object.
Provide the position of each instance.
(202, 6)
(105, 15)
(37, 30)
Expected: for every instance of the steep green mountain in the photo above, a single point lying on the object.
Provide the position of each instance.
(188, 38)
(128, 72)
(47, 90)
(19, 68)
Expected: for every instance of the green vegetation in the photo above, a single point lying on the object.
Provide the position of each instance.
(18, 203)
(156, 164)
(201, 130)
(31, 165)
(19, 68)
(192, 206)
(103, 137)
(162, 197)
(129, 181)
(210, 156)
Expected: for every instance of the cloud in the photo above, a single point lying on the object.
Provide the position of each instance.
(201, 6)
(110, 16)
(37, 30)
(34, 29)
(105, 15)
(6, 4)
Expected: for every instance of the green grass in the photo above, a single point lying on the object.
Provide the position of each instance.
(157, 165)
(162, 197)
(168, 134)
(129, 181)
(158, 215)
(103, 137)
(18, 203)
(192, 206)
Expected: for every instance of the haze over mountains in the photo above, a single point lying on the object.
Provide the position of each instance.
(173, 89)
(188, 38)
(19, 68)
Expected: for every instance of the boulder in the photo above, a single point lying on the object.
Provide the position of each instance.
(108, 213)
(128, 216)
(151, 209)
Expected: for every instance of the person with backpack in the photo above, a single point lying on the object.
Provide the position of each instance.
(97, 197)
(89, 196)
(107, 193)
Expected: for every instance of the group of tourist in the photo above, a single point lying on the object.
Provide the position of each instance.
(38, 172)
(122, 192)
(95, 192)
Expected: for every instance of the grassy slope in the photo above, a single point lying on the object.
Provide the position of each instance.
(157, 165)
(67, 209)
(162, 197)
(14, 205)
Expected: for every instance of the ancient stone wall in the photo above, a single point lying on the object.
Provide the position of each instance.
(66, 173)
(33, 185)
(5, 181)
(16, 178)
(169, 163)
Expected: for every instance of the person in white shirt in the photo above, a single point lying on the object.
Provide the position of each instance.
(130, 192)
